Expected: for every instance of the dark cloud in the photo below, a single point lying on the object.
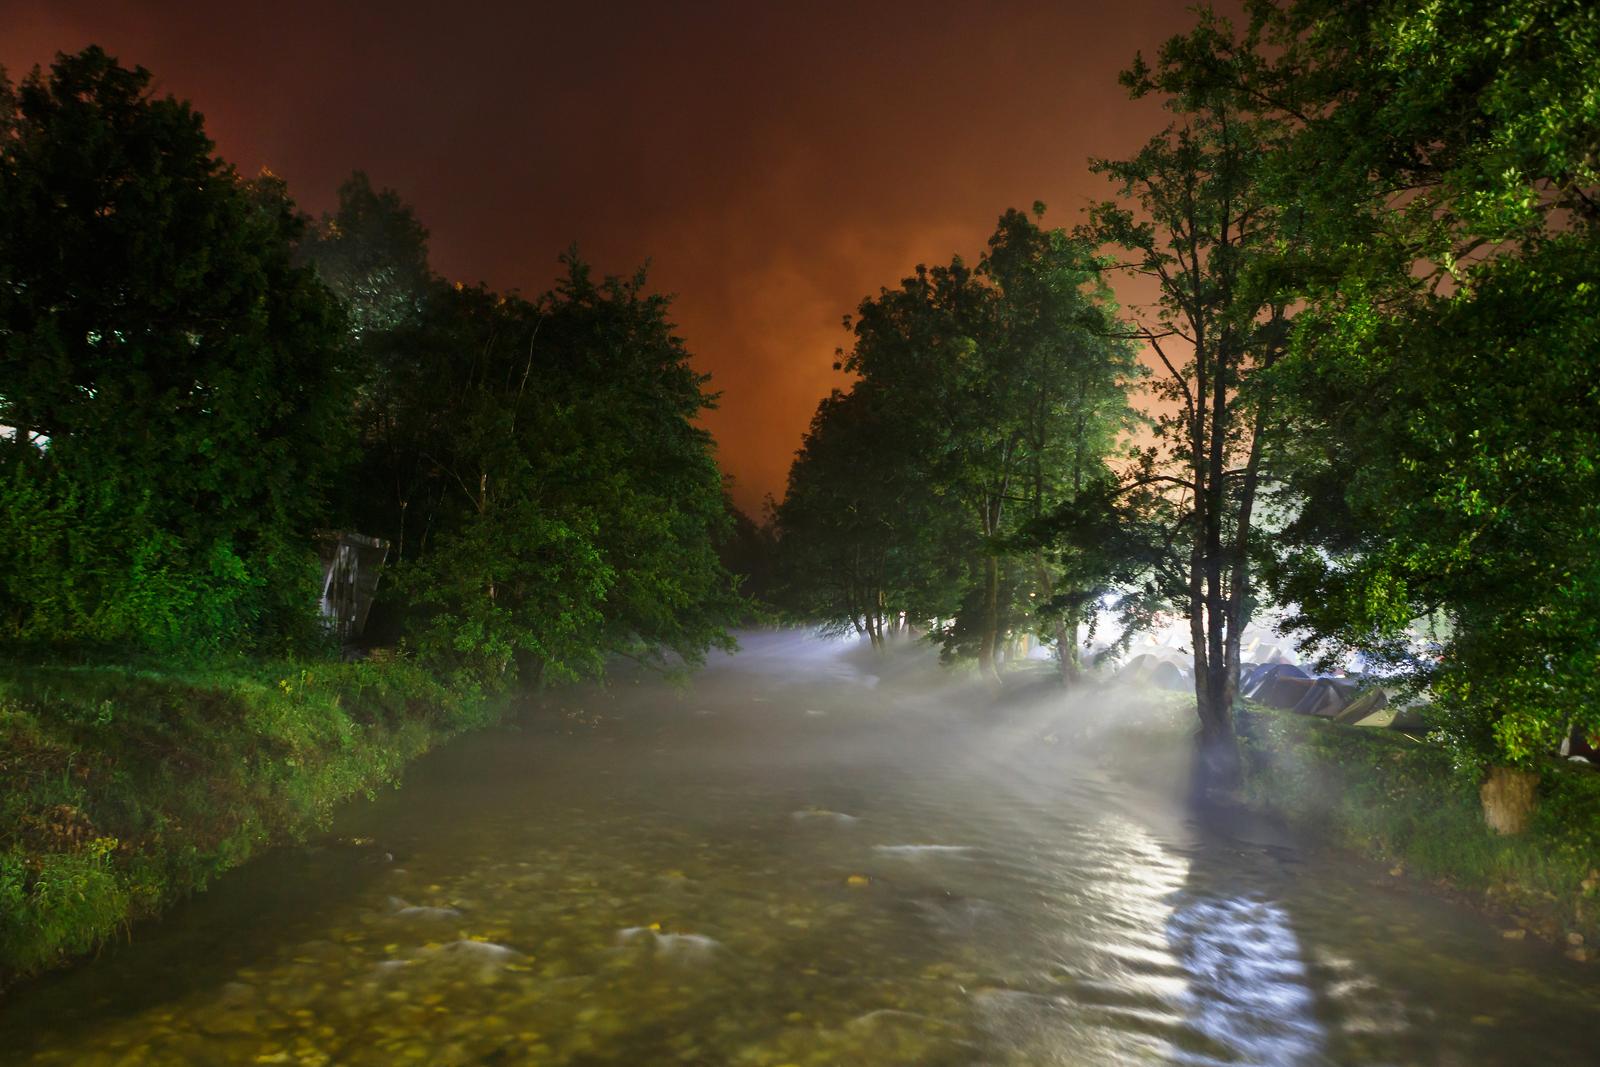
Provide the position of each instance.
(775, 161)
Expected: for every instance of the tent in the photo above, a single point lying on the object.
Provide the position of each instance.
(1266, 672)
(1168, 675)
(1283, 691)
(1371, 708)
(1138, 669)
(1326, 698)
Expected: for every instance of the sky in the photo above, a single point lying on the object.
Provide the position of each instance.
(774, 162)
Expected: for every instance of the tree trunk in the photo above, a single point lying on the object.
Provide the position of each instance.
(1066, 633)
(875, 628)
(1067, 652)
(1508, 799)
(1219, 769)
(989, 635)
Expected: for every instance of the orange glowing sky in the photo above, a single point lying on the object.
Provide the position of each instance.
(775, 161)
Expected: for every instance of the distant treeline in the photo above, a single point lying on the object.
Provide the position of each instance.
(196, 377)
(987, 398)
(1373, 235)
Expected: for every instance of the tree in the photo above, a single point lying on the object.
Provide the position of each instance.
(537, 466)
(1195, 219)
(862, 537)
(373, 253)
(749, 552)
(174, 385)
(924, 354)
(1072, 371)
(984, 398)
(1445, 360)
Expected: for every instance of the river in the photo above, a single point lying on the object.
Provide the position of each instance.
(792, 860)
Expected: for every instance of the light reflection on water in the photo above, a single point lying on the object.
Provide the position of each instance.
(1248, 989)
(787, 865)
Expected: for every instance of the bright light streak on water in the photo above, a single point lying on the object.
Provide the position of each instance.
(1248, 987)
(805, 858)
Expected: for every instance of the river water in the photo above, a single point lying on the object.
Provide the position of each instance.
(794, 861)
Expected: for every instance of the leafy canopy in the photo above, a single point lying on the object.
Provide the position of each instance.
(173, 383)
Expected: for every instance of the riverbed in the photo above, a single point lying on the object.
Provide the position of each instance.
(803, 857)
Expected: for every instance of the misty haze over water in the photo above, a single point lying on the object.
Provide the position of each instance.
(809, 855)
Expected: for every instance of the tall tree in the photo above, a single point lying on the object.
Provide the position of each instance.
(925, 351)
(1194, 219)
(1072, 370)
(373, 253)
(863, 539)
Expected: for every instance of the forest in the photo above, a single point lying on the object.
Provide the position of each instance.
(1364, 255)
(198, 378)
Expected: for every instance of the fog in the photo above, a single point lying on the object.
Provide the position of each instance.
(809, 852)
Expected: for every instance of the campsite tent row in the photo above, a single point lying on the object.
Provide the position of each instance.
(1287, 687)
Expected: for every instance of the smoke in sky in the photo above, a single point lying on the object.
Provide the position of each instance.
(775, 163)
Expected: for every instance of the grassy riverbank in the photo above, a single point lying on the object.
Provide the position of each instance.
(122, 789)
(1399, 801)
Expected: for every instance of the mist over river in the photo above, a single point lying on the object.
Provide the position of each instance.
(792, 861)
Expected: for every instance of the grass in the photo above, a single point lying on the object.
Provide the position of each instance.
(1401, 801)
(123, 789)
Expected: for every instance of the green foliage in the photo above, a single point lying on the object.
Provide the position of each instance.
(537, 469)
(985, 398)
(179, 390)
(1400, 801)
(171, 381)
(1481, 503)
(1418, 183)
(862, 534)
(66, 904)
(373, 253)
(122, 789)
(749, 552)
(1444, 368)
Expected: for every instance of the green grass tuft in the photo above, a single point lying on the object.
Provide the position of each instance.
(125, 788)
(1400, 800)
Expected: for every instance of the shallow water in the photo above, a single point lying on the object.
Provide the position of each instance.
(788, 863)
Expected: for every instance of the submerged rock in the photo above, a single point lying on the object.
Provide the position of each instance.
(477, 952)
(914, 851)
(670, 945)
(823, 815)
(399, 909)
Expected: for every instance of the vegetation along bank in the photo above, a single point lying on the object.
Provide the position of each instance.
(128, 788)
(1402, 802)
(200, 384)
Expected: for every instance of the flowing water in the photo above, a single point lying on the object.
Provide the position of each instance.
(788, 863)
